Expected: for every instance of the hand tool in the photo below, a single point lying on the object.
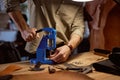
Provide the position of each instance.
(48, 43)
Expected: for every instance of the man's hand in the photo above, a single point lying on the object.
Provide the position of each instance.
(29, 34)
(61, 54)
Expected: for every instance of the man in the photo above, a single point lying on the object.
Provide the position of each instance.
(63, 15)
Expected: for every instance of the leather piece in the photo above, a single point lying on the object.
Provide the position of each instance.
(112, 29)
(99, 11)
(59, 75)
(10, 69)
(6, 77)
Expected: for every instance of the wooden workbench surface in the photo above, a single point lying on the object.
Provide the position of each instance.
(82, 59)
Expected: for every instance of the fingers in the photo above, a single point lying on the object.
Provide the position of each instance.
(32, 34)
(29, 34)
(59, 60)
(29, 37)
(59, 56)
(55, 53)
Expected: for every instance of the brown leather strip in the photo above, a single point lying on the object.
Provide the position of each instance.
(59, 75)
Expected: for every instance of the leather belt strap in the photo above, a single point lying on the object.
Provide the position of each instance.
(59, 75)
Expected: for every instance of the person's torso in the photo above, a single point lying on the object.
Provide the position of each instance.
(58, 14)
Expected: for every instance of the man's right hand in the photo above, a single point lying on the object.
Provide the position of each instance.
(29, 34)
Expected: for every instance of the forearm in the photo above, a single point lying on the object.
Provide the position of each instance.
(77, 29)
(74, 41)
(27, 33)
(18, 20)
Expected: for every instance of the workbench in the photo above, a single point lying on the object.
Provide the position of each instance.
(82, 59)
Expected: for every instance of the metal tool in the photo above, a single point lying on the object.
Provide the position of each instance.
(36, 67)
(48, 43)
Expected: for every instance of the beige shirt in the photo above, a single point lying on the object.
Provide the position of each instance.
(63, 15)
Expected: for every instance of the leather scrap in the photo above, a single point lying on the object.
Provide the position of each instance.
(9, 69)
(58, 75)
(82, 69)
(6, 77)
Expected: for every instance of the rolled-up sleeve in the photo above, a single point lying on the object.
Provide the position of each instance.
(78, 24)
(11, 5)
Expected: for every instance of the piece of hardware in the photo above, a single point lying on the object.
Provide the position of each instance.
(51, 69)
(47, 44)
(36, 67)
